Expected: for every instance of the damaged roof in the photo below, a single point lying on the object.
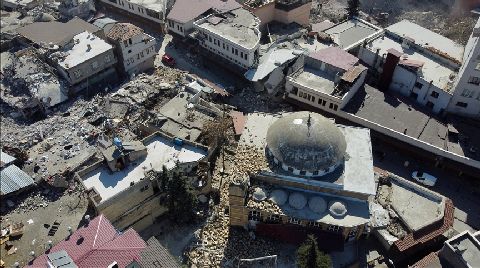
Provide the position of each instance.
(123, 31)
(336, 57)
(186, 10)
(351, 74)
(55, 32)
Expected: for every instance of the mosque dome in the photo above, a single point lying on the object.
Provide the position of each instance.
(307, 143)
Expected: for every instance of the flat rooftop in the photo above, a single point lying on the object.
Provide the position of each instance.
(240, 27)
(357, 212)
(426, 38)
(356, 175)
(155, 5)
(314, 79)
(86, 46)
(401, 114)
(432, 69)
(350, 32)
(468, 248)
(416, 206)
(160, 151)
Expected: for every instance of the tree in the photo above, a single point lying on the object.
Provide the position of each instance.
(164, 178)
(180, 200)
(309, 256)
(353, 8)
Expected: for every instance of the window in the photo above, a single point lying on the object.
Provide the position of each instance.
(153, 14)
(303, 172)
(434, 94)
(246, 56)
(313, 224)
(125, 43)
(474, 80)
(108, 58)
(313, 99)
(233, 50)
(324, 102)
(293, 220)
(210, 39)
(413, 95)
(273, 218)
(462, 104)
(223, 45)
(94, 65)
(236, 52)
(214, 41)
(468, 93)
(138, 56)
(429, 105)
(77, 73)
(113, 1)
(241, 55)
(130, 41)
(418, 85)
(141, 54)
(254, 215)
(334, 228)
(335, 107)
(330, 106)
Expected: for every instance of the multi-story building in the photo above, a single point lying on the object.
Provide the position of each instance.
(154, 11)
(286, 12)
(135, 49)
(466, 97)
(86, 60)
(234, 36)
(184, 12)
(316, 177)
(415, 62)
(328, 79)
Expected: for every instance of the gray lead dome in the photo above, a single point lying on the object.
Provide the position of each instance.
(306, 142)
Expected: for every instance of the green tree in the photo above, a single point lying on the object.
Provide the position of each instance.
(164, 178)
(181, 201)
(309, 256)
(353, 8)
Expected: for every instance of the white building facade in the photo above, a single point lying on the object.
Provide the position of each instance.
(151, 10)
(466, 97)
(135, 49)
(231, 38)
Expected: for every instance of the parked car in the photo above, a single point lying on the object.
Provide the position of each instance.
(424, 178)
(168, 60)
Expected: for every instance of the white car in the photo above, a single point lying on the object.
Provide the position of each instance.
(424, 178)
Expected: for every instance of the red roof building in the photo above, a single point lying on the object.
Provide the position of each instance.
(336, 57)
(98, 244)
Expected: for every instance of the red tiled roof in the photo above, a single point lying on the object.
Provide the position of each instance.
(428, 233)
(187, 10)
(239, 121)
(123, 31)
(426, 261)
(336, 57)
(98, 245)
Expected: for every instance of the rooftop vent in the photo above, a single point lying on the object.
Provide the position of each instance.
(89, 47)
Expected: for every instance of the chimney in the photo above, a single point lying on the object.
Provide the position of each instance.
(87, 219)
(89, 47)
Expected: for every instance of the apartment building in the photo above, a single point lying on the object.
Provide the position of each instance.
(234, 36)
(154, 11)
(86, 60)
(328, 79)
(466, 97)
(135, 49)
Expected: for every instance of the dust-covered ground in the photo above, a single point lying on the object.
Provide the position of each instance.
(450, 18)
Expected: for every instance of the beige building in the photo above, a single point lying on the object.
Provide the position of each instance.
(135, 48)
(286, 12)
(319, 179)
(86, 60)
(328, 79)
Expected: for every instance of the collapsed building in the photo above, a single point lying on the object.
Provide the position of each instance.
(70, 9)
(317, 178)
(32, 85)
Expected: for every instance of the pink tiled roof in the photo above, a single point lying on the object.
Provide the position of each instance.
(101, 246)
(336, 57)
(187, 10)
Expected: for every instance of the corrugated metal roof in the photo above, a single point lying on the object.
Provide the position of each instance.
(5, 159)
(13, 179)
